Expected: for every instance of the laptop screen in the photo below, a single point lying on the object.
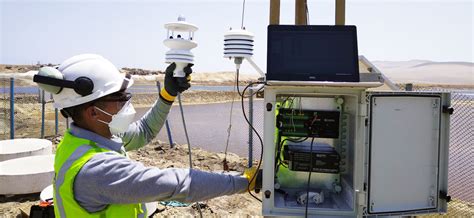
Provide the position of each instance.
(312, 53)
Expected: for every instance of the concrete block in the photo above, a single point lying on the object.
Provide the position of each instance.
(26, 175)
(16, 148)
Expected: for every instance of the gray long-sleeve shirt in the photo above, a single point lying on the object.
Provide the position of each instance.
(111, 178)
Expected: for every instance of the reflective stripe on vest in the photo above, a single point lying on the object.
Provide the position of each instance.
(71, 155)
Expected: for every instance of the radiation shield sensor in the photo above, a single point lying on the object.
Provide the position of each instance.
(238, 45)
(180, 41)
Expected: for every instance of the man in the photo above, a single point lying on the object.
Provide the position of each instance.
(93, 176)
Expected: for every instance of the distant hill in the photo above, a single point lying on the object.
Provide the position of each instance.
(428, 72)
(413, 71)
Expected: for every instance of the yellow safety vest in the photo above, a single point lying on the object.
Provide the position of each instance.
(71, 155)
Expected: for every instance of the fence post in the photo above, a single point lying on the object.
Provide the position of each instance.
(56, 121)
(39, 95)
(168, 130)
(56, 116)
(250, 127)
(42, 113)
(12, 108)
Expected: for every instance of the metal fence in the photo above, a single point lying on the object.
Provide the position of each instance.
(461, 152)
(6, 106)
(26, 111)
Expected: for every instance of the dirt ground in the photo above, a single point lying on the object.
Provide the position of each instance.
(159, 154)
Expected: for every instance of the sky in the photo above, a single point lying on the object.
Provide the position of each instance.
(131, 33)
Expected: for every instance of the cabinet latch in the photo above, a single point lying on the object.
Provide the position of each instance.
(448, 110)
(269, 106)
(445, 196)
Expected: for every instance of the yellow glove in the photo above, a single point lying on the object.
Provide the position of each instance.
(250, 174)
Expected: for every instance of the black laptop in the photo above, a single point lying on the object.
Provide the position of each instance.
(312, 53)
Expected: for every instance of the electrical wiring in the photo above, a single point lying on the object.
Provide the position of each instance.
(226, 167)
(238, 61)
(230, 119)
(238, 89)
(242, 95)
(255, 131)
(309, 177)
(278, 160)
(284, 101)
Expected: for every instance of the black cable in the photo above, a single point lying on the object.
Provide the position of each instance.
(284, 101)
(237, 85)
(309, 176)
(238, 89)
(278, 160)
(258, 135)
(282, 164)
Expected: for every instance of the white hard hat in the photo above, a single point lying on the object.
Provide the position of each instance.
(81, 79)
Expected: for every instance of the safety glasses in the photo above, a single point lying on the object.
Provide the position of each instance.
(120, 98)
(117, 96)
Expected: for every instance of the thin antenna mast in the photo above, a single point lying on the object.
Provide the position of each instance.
(243, 15)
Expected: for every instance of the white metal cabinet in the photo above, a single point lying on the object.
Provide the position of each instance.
(407, 152)
(398, 151)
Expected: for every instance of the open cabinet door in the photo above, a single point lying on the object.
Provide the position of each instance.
(403, 155)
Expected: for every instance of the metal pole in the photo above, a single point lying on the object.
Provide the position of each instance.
(12, 108)
(56, 121)
(56, 116)
(189, 144)
(250, 128)
(185, 130)
(42, 113)
(168, 130)
(39, 95)
(300, 12)
(274, 12)
(340, 12)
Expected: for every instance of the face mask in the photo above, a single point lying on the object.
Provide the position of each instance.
(121, 120)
